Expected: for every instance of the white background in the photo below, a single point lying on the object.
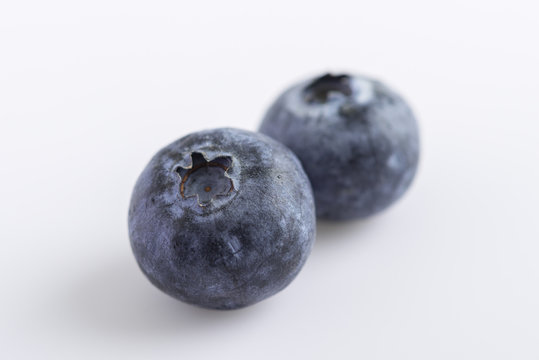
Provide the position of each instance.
(90, 90)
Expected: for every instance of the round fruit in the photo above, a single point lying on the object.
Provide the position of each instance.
(357, 139)
(222, 218)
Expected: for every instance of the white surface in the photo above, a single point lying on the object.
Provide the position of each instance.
(90, 90)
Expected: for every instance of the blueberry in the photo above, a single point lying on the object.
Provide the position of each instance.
(222, 218)
(356, 138)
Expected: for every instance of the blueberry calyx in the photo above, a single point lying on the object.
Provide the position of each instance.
(205, 179)
(324, 88)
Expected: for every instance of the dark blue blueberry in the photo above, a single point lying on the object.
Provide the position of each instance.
(222, 218)
(356, 138)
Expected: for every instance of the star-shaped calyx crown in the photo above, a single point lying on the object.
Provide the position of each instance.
(326, 87)
(205, 179)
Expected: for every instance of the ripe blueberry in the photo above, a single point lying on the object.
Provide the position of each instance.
(222, 218)
(356, 138)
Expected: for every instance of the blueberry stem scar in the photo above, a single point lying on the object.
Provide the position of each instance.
(320, 90)
(205, 182)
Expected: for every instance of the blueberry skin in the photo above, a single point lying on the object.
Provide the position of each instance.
(222, 218)
(357, 139)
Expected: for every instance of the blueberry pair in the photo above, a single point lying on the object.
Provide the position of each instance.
(225, 218)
